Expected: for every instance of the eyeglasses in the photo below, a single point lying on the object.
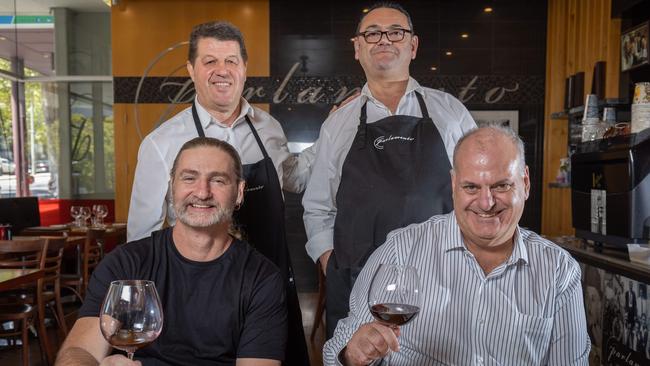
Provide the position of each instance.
(393, 35)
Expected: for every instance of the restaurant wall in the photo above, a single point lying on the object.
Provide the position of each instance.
(142, 33)
(580, 33)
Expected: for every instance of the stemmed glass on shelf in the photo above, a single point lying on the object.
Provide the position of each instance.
(75, 212)
(394, 297)
(85, 215)
(99, 212)
(131, 316)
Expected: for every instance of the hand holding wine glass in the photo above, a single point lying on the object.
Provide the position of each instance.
(131, 316)
(394, 297)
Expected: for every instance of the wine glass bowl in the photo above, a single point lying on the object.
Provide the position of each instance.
(394, 298)
(131, 315)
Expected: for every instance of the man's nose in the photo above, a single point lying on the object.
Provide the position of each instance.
(202, 190)
(486, 199)
(383, 39)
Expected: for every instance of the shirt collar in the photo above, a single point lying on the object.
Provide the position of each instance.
(412, 86)
(206, 118)
(454, 240)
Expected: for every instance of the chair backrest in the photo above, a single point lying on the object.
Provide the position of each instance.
(23, 254)
(92, 253)
(53, 258)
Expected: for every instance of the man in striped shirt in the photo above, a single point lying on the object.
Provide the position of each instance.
(493, 293)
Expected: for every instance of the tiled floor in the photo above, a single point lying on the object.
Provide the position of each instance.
(11, 357)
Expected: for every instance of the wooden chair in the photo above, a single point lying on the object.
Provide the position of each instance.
(91, 255)
(320, 305)
(23, 254)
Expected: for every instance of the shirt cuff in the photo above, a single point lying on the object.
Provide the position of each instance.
(319, 244)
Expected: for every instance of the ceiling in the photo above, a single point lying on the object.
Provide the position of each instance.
(36, 45)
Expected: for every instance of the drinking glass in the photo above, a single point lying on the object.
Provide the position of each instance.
(394, 297)
(85, 215)
(99, 212)
(75, 212)
(131, 316)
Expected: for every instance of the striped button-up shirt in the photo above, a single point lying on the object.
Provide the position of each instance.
(527, 311)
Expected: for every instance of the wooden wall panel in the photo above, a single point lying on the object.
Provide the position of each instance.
(141, 30)
(579, 33)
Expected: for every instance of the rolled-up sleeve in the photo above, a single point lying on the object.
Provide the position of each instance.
(319, 200)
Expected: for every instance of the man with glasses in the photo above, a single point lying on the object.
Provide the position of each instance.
(383, 159)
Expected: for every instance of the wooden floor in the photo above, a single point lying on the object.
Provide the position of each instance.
(11, 357)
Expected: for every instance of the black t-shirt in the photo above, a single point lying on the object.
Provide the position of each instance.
(214, 312)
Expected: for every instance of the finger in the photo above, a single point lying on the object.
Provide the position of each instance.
(388, 334)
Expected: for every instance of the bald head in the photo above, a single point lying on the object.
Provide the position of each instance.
(492, 139)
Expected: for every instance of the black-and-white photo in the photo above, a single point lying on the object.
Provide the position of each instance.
(625, 322)
(634, 47)
(593, 295)
(502, 118)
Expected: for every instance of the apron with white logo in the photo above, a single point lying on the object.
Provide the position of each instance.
(395, 174)
(261, 221)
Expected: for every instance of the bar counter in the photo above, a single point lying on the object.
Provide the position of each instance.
(616, 302)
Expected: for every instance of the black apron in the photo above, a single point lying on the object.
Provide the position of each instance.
(261, 221)
(395, 174)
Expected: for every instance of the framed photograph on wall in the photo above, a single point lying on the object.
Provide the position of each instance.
(503, 118)
(634, 47)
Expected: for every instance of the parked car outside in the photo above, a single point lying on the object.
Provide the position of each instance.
(7, 166)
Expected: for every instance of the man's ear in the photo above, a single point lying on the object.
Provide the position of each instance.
(355, 44)
(414, 46)
(526, 181)
(190, 69)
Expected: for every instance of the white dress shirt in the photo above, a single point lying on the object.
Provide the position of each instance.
(336, 135)
(527, 311)
(149, 206)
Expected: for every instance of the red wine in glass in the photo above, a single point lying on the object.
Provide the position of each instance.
(394, 314)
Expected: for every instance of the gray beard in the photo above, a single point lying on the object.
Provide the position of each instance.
(223, 214)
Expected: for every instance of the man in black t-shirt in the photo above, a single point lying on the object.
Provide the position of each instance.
(223, 302)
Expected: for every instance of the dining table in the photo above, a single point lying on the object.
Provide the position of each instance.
(14, 278)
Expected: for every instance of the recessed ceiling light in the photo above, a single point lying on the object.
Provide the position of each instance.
(365, 10)
(448, 53)
(464, 35)
(2, 38)
(488, 9)
(433, 68)
(46, 55)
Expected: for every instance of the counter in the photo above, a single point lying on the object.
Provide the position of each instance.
(616, 302)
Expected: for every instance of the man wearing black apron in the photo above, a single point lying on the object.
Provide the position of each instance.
(383, 160)
(217, 65)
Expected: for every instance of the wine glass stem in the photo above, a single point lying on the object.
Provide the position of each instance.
(130, 355)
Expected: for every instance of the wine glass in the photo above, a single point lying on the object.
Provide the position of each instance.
(131, 316)
(394, 297)
(99, 212)
(75, 212)
(85, 215)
